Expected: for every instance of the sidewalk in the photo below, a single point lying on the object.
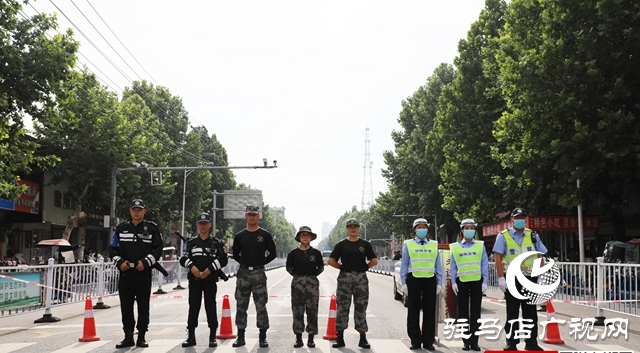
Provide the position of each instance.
(571, 336)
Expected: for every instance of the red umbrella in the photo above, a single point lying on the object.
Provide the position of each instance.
(54, 242)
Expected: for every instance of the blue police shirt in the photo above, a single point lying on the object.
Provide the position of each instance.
(406, 262)
(500, 246)
(484, 263)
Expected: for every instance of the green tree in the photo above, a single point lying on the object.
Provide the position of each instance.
(89, 130)
(33, 68)
(465, 120)
(570, 73)
(413, 168)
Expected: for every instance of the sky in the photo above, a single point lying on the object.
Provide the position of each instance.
(294, 81)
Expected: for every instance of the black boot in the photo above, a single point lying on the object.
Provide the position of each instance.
(141, 342)
(212, 338)
(310, 342)
(127, 341)
(339, 341)
(299, 342)
(363, 341)
(240, 340)
(191, 338)
(262, 338)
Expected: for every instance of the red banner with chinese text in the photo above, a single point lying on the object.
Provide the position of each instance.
(545, 223)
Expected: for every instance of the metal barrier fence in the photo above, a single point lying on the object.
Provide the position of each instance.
(71, 283)
(603, 286)
(385, 267)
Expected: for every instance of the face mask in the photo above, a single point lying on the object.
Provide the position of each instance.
(421, 233)
(519, 223)
(469, 233)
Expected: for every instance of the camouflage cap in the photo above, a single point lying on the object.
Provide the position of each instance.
(305, 229)
(137, 203)
(252, 209)
(203, 217)
(353, 222)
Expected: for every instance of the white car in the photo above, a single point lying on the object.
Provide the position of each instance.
(398, 294)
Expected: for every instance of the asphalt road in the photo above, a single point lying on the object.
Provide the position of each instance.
(386, 318)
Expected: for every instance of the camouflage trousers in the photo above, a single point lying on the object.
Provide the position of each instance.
(250, 282)
(305, 294)
(356, 286)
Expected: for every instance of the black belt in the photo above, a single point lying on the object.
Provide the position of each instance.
(354, 271)
(251, 268)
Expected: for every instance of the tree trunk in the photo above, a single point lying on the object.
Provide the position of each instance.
(77, 214)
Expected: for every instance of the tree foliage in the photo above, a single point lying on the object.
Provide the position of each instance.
(462, 132)
(33, 67)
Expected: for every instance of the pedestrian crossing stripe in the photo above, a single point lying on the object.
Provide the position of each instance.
(10, 347)
(225, 346)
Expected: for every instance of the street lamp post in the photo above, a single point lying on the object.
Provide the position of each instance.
(145, 167)
(180, 245)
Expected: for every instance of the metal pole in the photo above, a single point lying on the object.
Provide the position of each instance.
(112, 213)
(580, 229)
(100, 304)
(160, 279)
(600, 293)
(48, 317)
(213, 213)
(184, 193)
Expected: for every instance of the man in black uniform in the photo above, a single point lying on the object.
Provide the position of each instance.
(135, 247)
(356, 257)
(252, 248)
(203, 256)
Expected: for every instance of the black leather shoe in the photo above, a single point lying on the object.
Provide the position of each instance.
(126, 342)
(142, 343)
(532, 347)
(363, 342)
(475, 347)
(310, 342)
(429, 347)
(415, 346)
(239, 342)
(466, 347)
(510, 347)
(213, 343)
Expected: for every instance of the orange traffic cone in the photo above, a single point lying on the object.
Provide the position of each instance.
(226, 330)
(89, 329)
(553, 332)
(332, 334)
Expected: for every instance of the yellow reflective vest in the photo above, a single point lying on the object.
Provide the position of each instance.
(468, 261)
(513, 250)
(423, 258)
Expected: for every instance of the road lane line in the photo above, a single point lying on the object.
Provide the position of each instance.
(388, 346)
(10, 347)
(81, 347)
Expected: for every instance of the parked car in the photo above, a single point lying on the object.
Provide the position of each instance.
(398, 294)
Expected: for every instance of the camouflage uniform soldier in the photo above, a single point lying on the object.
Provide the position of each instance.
(305, 264)
(252, 248)
(353, 253)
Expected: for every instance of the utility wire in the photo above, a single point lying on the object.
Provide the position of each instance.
(124, 46)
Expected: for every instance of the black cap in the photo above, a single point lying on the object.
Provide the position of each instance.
(252, 209)
(137, 203)
(518, 212)
(353, 222)
(305, 229)
(203, 217)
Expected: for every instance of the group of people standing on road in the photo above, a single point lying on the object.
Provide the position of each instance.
(137, 245)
